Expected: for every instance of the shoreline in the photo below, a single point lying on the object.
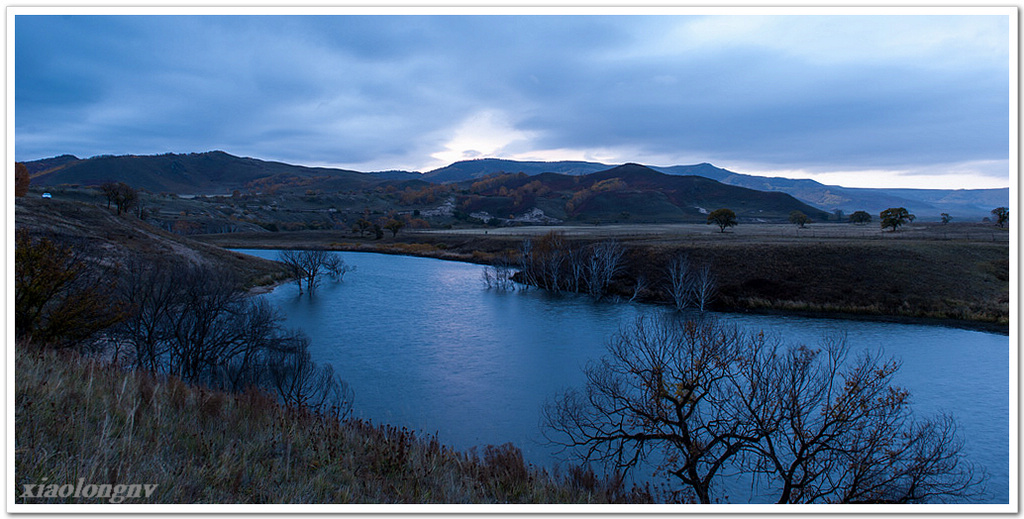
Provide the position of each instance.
(486, 258)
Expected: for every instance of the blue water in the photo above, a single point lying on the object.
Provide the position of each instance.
(425, 345)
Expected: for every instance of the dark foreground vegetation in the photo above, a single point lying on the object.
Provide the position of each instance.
(84, 418)
(805, 424)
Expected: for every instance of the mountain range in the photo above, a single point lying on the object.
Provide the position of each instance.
(925, 203)
(217, 172)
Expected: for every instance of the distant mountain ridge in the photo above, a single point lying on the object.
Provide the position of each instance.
(925, 203)
(218, 172)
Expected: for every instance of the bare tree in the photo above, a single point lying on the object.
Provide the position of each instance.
(299, 382)
(499, 274)
(703, 286)
(123, 196)
(577, 263)
(196, 323)
(605, 263)
(526, 263)
(680, 282)
(640, 285)
(337, 268)
(309, 266)
(805, 423)
(552, 255)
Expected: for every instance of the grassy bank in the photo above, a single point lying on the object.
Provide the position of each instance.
(79, 418)
(952, 275)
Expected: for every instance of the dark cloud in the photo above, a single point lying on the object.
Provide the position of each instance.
(817, 93)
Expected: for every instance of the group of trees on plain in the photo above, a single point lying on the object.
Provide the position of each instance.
(891, 218)
(807, 425)
(191, 321)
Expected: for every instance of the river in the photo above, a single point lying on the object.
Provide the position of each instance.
(425, 345)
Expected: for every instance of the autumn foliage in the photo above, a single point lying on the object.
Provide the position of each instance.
(59, 299)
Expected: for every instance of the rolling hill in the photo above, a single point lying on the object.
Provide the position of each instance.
(213, 172)
(631, 192)
(217, 172)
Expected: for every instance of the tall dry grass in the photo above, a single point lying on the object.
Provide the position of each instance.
(81, 418)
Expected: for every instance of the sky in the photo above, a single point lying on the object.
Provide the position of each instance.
(860, 101)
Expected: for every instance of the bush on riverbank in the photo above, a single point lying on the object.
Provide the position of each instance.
(80, 418)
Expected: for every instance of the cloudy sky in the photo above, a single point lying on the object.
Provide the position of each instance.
(873, 101)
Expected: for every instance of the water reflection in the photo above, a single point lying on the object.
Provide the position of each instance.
(425, 345)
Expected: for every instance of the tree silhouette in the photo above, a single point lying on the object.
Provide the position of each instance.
(811, 425)
(723, 218)
(895, 217)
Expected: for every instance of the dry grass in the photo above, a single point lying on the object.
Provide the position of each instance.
(79, 418)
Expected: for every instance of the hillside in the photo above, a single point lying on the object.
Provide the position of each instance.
(115, 239)
(631, 192)
(212, 172)
(78, 418)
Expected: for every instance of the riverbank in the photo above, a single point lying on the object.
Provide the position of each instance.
(918, 277)
(78, 418)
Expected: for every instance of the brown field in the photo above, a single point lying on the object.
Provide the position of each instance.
(772, 233)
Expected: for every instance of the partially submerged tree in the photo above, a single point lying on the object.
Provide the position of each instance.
(604, 262)
(808, 424)
(310, 266)
(723, 218)
(555, 263)
(498, 275)
(895, 217)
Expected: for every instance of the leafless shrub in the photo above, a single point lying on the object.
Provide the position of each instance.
(806, 423)
(499, 274)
